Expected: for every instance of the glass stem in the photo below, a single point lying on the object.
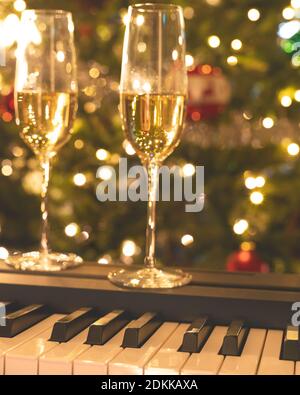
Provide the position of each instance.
(45, 164)
(152, 169)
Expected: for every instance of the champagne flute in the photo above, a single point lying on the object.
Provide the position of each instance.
(153, 90)
(46, 104)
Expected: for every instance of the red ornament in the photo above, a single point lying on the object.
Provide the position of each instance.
(209, 92)
(7, 107)
(246, 261)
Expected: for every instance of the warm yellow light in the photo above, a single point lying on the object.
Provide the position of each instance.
(288, 13)
(297, 95)
(293, 149)
(7, 170)
(268, 122)
(250, 182)
(78, 144)
(253, 15)
(214, 41)
(128, 248)
(188, 12)
(256, 197)
(187, 240)
(60, 56)
(3, 253)
(105, 172)
(240, 226)
(232, 60)
(125, 19)
(189, 60)
(105, 259)
(285, 101)
(94, 72)
(236, 44)
(72, 229)
(247, 246)
(188, 170)
(260, 181)
(128, 148)
(19, 5)
(213, 2)
(295, 3)
(140, 20)
(102, 154)
(79, 179)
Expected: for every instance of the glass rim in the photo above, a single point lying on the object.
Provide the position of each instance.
(59, 13)
(153, 7)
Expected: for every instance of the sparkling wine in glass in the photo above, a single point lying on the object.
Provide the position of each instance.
(46, 104)
(153, 91)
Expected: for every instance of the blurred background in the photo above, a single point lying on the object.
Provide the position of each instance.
(242, 124)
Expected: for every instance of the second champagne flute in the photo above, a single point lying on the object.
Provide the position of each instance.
(46, 104)
(152, 98)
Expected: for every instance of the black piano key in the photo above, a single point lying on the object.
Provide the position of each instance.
(22, 319)
(106, 327)
(70, 325)
(196, 335)
(139, 331)
(291, 345)
(234, 339)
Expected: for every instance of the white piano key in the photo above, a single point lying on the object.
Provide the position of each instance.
(168, 360)
(208, 361)
(24, 358)
(7, 344)
(247, 362)
(297, 368)
(95, 360)
(270, 362)
(132, 360)
(59, 360)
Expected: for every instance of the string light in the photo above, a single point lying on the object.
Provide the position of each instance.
(247, 246)
(286, 101)
(295, 3)
(125, 18)
(3, 253)
(140, 20)
(17, 151)
(297, 95)
(128, 248)
(79, 179)
(260, 181)
(232, 60)
(236, 44)
(268, 122)
(293, 149)
(213, 2)
(240, 226)
(187, 240)
(102, 154)
(214, 41)
(105, 172)
(72, 229)
(78, 144)
(94, 72)
(128, 148)
(288, 13)
(250, 182)
(188, 12)
(189, 60)
(188, 170)
(60, 56)
(104, 260)
(256, 197)
(19, 5)
(253, 15)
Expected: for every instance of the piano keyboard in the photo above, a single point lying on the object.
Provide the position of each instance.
(90, 342)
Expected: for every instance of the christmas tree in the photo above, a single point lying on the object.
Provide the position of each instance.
(242, 125)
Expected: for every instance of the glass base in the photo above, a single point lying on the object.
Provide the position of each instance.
(149, 278)
(51, 262)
